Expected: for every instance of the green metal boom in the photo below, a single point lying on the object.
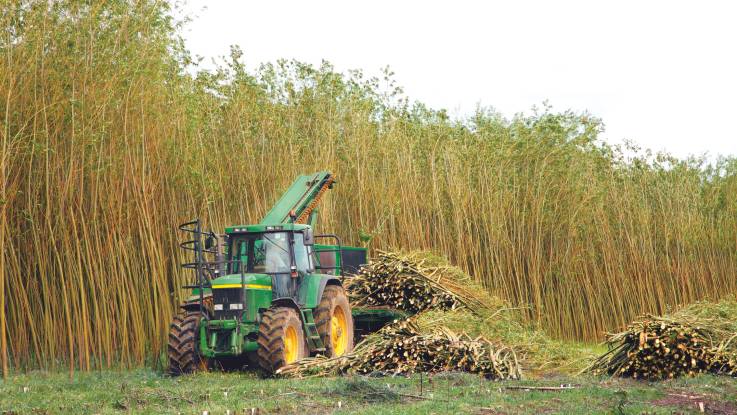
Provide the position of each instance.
(298, 203)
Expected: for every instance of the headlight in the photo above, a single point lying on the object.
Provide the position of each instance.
(218, 307)
(236, 306)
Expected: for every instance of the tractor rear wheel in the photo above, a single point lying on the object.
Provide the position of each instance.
(184, 355)
(334, 321)
(281, 339)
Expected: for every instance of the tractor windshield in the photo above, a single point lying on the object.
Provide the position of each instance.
(261, 253)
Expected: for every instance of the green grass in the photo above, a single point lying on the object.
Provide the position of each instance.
(146, 391)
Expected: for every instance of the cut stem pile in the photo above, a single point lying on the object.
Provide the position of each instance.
(405, 347)
(694, 340)
(417, 283)
(412, 283)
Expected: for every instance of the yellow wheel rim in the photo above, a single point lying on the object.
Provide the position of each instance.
(339, 331)
(291, 347)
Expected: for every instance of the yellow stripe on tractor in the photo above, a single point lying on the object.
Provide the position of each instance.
(248, 286)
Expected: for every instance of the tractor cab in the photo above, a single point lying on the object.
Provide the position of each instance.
(270, 250)
(283, 259)
(277, 259)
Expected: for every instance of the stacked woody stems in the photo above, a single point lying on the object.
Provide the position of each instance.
(406, 347)
(695, 340)
(413, 283)
(417, 283)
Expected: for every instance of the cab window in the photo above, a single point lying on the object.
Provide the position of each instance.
(301, 254)
(269, 253)
(239, 252)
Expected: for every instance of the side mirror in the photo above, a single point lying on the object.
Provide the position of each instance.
(309, 237)
(209, 242)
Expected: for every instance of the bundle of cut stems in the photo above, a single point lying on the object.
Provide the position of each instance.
(405, 348)
(413, 283)
(696, 339)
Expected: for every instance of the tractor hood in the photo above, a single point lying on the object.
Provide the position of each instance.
(252, 281)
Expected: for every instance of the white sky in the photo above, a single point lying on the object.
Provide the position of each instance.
(660, 73)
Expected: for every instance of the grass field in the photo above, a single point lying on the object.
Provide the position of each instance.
(145, 391)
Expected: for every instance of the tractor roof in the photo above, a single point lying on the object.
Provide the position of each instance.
(266, 228)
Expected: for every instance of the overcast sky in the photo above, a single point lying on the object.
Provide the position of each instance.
(660, 73)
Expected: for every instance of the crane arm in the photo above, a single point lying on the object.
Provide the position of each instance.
(300, 199)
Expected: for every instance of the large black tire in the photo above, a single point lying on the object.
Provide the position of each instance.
(334, 301)
(275, 349)
(184, 355)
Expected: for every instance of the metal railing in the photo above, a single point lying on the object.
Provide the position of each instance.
(205, 271)
(339, 249)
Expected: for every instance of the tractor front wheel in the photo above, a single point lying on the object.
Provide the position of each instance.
(281, 340)
(184, 356)
(334, 321)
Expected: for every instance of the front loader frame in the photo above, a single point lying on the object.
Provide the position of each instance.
(205, 271)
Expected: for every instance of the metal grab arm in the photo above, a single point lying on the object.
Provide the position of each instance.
(300, 200)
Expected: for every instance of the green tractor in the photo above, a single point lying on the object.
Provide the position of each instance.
(271, 294)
